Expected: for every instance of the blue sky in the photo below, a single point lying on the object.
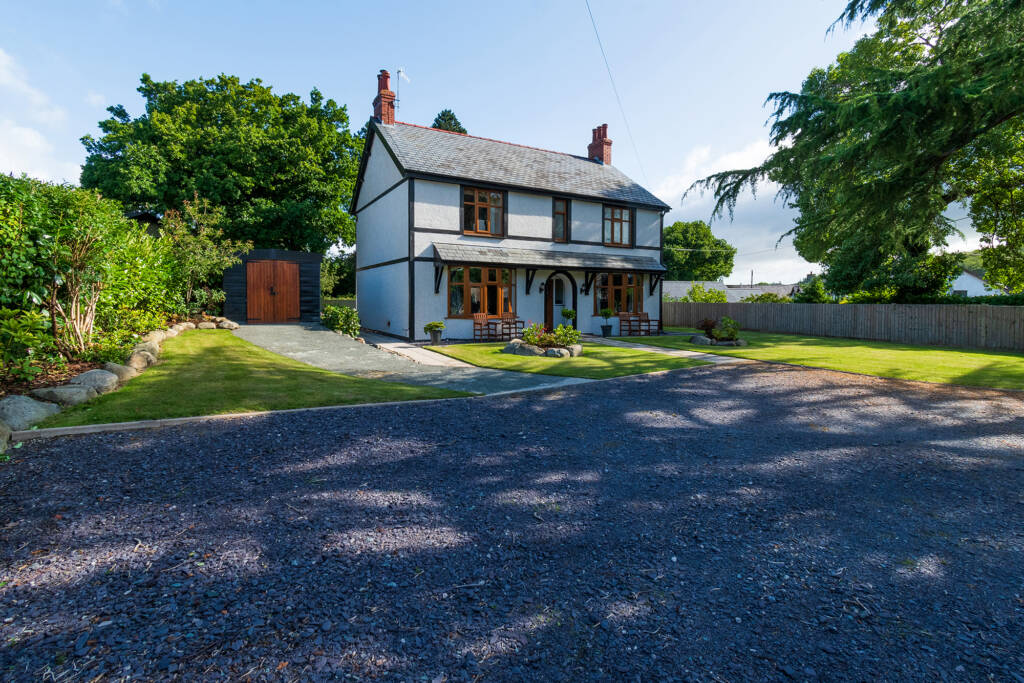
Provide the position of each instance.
(693, 77)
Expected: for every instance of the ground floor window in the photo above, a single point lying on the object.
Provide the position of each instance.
(479, 289)
(621, 292)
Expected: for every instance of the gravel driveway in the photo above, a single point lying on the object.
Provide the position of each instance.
(724, 523)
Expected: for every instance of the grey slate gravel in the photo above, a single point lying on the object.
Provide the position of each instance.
(724, 523)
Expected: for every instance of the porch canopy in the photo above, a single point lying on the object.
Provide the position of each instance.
(533, 260)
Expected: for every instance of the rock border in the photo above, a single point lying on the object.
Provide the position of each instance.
(19, 413)
(520, 348)
(704, 340)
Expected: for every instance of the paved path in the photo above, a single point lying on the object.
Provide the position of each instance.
(413, 352)
(322, 348)
(731, 523)
(681, 353)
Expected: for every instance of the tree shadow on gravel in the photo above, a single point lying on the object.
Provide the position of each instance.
(732, 522)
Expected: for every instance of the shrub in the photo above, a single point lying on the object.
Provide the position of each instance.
(129, 321)
(532, 334)
(435, 326)
(727, 330)
(24, 338)
(607, 313)
(341, 319)
(812, 292)
(699, 295)
(112, 347)
(766, 298)
(707, 325)
(566, 335)
(568, 314)
(206, 300)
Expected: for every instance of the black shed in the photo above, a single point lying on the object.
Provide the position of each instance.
(273, 286)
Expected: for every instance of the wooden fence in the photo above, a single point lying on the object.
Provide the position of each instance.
(975, 326)
(351, 303)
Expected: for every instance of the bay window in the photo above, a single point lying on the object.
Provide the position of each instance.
(480, 289)
(621, 292)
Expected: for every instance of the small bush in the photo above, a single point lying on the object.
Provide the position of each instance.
(130, 320)
(341, 319)
(435, 326)
(699, 295)
(607, 313)
(727, 330)
(766, 298)
(566, 335)
(707, 325)
(24, 340)
(568, 314)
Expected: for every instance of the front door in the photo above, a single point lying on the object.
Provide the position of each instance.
(554, 301)
(272, 291)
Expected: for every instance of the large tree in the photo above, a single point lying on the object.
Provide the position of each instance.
(281, 169)
(691, 252)
(875, 148)
(447, 120)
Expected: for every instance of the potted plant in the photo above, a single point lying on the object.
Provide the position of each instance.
(606, 329)
(434, 330)
(569, 315)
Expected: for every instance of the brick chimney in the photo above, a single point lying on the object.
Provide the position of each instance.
(384, 103)
(600, 148)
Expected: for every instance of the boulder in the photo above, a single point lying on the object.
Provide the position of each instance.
(5, 436)
(525, 349)
(140, 360)
(207, 326)
(21, 412)
(148, 347)
(557, 353)
(227, 325)
(170, 332)
(67, 395)
(123, 372)
(741, 342)
(156, 336)
(188, 325)
(512, 346)
(575, 350)
(101, 381)
(702, 340)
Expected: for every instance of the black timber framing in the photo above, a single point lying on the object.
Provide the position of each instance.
(530, 274)
(236, 288)
(412, 259)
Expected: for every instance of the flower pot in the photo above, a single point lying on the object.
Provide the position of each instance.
(435, 337)
(606, 330)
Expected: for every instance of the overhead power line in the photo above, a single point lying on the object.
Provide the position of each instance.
(615, 90)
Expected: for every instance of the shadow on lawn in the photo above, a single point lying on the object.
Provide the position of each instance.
(722, 522)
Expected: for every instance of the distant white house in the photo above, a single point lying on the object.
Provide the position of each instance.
(970, 284)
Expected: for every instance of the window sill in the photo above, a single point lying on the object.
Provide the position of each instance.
(482, 234)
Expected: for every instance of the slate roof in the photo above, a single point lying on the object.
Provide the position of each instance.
(442, 153)
(542, 258)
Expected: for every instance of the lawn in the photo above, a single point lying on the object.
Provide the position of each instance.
(210, 372)
(597, 361)
(997, 369)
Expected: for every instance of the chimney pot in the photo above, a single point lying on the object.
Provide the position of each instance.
(600, 147)
(384, 103)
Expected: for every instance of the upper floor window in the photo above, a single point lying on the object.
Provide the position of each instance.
(483, 212)
(616, 226)
(560, 220)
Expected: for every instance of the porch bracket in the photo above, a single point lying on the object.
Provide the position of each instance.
(530, 274)
(588, 282)
(655, 280)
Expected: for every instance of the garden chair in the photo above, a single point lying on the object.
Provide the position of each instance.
(511, 326)
(481, 327)
(629, 324)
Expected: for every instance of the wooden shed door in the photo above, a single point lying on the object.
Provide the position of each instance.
(272, 291)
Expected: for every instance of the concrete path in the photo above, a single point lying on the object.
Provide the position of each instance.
(413, 352)
(681, 353)
(322, 348)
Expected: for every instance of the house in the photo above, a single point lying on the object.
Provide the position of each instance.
(675, 289)
(452, 225)
(970, 283)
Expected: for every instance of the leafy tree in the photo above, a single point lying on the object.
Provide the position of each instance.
(338, 275)
(812, 292)
(692, 253)
(200, 249)
(766, 298)
(447, 120)
(875, 147)
(282, 170)
(699, 295)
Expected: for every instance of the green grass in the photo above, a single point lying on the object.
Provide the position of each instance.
(996, 369)
(597, 361)
(210, 372)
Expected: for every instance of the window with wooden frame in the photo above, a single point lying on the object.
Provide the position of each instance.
(483, 212)
(480, 289)
(617, 226)
(560, 220)
(621, 292)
